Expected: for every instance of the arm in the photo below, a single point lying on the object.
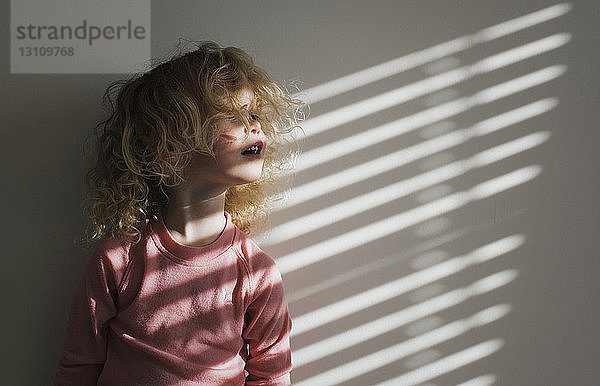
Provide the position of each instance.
(267, 329)
(93, 306)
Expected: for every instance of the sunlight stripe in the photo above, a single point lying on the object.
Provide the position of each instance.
(390, 225)
(360, 334)
(392, 289)
(446, 365)
(415, 59)
(398, 351)
(388, 99)
(484, 380)
(336, 279)
(375, 198)
(335, 181)
(400, 189)
(525, 21)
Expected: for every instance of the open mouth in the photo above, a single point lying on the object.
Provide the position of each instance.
(254, 149)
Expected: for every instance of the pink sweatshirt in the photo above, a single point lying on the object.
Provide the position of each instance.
(160, 313)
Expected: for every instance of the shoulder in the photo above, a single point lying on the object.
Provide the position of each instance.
(111, 256)
(255, 257)
(261, 267)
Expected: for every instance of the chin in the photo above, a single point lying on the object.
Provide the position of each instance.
(251, 179)
(244, 174)
(246, 178)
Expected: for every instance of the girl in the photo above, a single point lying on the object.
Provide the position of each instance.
(176, 293)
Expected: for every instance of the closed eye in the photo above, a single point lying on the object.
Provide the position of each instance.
(252, 116)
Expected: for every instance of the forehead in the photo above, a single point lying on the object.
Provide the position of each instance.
(244, 97)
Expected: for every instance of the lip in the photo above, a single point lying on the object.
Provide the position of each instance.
(261, 146)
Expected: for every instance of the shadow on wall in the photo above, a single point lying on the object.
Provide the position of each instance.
(392, 247)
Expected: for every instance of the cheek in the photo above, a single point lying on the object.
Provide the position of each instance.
(230, 138)
(224, 148)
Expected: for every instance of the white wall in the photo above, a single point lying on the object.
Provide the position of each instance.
(521, 246)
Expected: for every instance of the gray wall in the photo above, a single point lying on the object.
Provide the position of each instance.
(414, 272)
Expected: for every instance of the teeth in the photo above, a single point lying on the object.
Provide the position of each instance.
(252, 149)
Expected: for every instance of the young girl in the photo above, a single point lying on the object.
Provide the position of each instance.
(175, 292)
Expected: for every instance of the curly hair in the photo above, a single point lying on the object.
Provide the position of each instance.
(156, 122)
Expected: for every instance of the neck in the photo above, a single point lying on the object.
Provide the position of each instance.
(195, 217)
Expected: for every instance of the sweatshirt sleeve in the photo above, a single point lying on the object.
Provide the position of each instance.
(93, 305)
(267, 326)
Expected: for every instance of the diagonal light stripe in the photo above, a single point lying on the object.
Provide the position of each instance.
(401, 157)
(398, 351)
(484, 380)
(446, 365)
(403, 63)
(525, 21)
(520, 53)
(381, 133)
(362, 333)
(379, 294)
(388, 99)
(383, 101)
(390, 225)
(519, 84)
(354, 206)
(336, 149)
(383, 70)
(337, 279)
(360, 204)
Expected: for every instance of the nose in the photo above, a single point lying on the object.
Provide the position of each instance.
(255, 127)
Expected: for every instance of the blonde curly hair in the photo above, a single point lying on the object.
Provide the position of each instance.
(157, 120)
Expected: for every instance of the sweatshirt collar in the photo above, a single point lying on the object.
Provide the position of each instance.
(192, 256)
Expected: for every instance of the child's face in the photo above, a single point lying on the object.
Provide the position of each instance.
(239, 156)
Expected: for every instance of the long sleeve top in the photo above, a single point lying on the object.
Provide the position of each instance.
(156, 312)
